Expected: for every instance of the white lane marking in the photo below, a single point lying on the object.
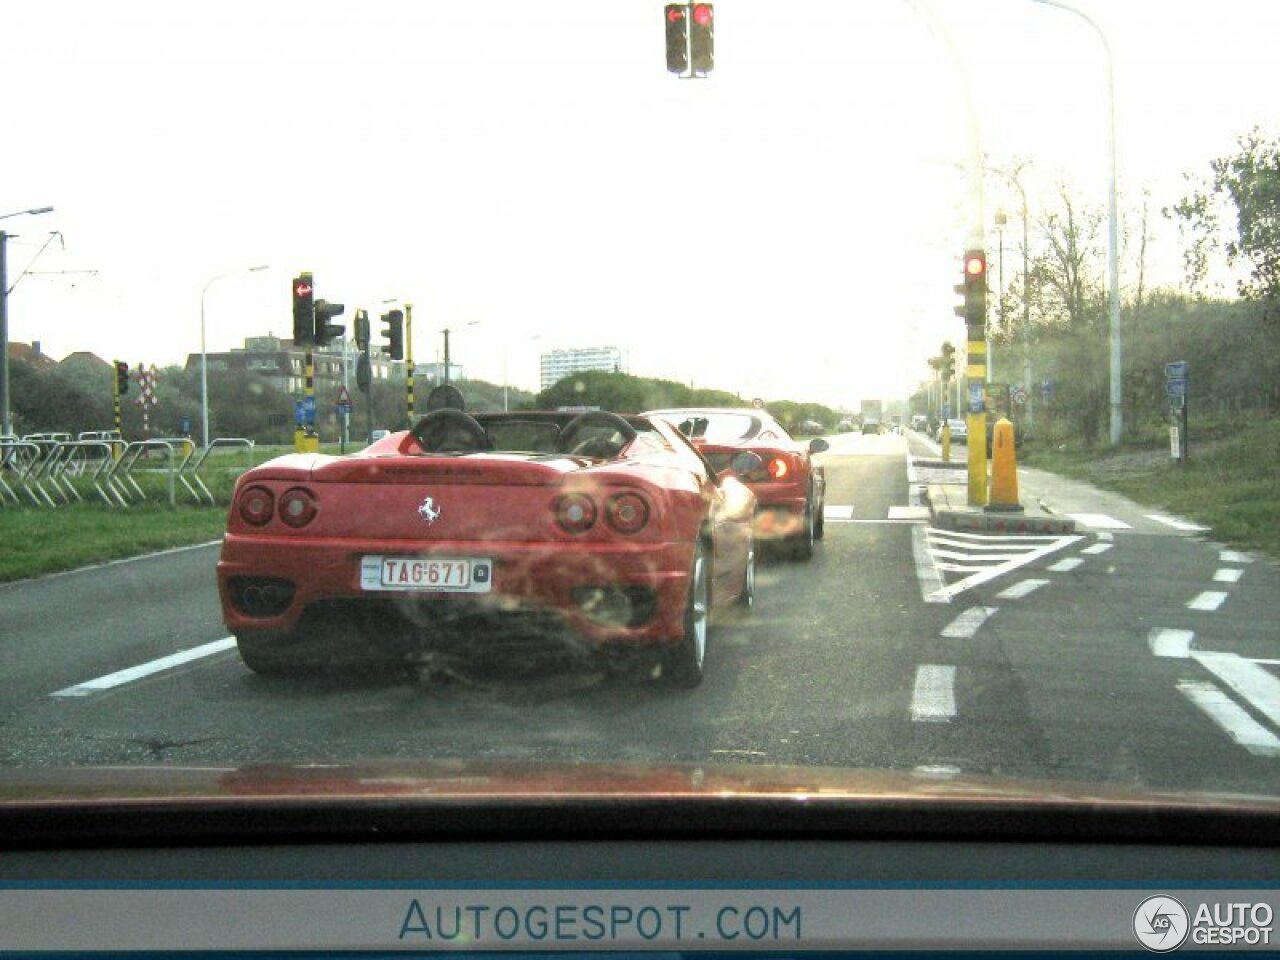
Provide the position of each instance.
(1100, 520)
(966, 625)
(975, 557)
(1020, 589)
(1097, 548)
(1105, 535)
(1232, 718)
(915, 496)
(1250, 682)
(934, 698)
(1066, 564)
(1170, 643)
(927, 574)
(1234, 556)
(146, 669)
(988, 538)
(1176, 522)
(1209, 600)
(990, 573)
(841, 512)
(1228, 575)
(908, 513)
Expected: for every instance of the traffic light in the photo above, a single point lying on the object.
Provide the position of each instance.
(324, 330)
(364, 373)
(394, 332)
(677, 38)
(702, 34)
(362, 329)
(948, 367)
(974, 290)
(303, 291)
(122, 378)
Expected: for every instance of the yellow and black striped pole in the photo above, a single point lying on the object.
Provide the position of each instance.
(310, 440)
(408, 359)
(976, 372)
(115, 393)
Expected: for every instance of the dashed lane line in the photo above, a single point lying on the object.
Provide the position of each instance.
(1208, 600)
(1097, 548)
(1251, 682)
(933, 700)
(966, 626)
(1020, 589)
(1234, 556)
(1227, 575)
(1233, 719)
(1176, 522)
(122, 677)
(1066, 564)
(1100, 521)
(838, 512)
(1165, 642)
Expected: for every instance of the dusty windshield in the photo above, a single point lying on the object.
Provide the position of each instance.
(360, 360)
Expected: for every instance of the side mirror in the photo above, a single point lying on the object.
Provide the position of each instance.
(818, 445)
(745, 463)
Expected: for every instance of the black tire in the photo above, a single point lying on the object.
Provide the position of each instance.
(820, 520)
(747, 599)
(686, 663)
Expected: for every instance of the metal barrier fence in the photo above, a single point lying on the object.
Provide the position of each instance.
(46, 468)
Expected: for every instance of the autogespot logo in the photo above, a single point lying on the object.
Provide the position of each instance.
(1160, 923)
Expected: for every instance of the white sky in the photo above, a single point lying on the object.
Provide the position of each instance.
(789, 227)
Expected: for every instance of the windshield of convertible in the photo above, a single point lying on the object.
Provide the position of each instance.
(884, 389)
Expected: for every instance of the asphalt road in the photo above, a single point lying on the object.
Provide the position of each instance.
(1137, 652)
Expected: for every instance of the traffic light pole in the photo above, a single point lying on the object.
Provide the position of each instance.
(976, 375)
(115, 394)
(408, 359)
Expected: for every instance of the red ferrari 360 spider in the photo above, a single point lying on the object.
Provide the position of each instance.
(479, 536)
(790, 488)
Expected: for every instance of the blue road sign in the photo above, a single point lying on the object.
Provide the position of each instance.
(1176, 388)
(184, 424)
(1176, 371)
(343, 407)
(976, 404)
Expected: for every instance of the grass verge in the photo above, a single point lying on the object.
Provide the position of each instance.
(1231, 482)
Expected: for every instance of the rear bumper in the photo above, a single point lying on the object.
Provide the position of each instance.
(527, 578)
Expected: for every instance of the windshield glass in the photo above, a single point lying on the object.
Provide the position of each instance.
(381, 343)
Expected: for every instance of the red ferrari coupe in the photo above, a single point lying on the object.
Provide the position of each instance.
(790, 488)
(482, 536)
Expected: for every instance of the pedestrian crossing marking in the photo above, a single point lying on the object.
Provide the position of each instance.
(1100, 521)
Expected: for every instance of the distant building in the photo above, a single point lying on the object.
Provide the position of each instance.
(434, 372)
(30, 353)
(279, 361)
(558, 364)
(85, 358)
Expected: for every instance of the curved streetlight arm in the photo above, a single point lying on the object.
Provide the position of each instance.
(1113, 228)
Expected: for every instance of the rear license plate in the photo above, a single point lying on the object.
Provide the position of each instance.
(427, 574)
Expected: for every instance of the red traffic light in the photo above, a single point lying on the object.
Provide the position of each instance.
(675, 14)
(702, 14)
(975, 264)
(302, 289)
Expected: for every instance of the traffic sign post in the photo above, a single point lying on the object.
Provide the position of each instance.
(1176, 382)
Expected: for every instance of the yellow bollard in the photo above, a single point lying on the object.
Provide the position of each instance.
(946, 442)
(1004, 468)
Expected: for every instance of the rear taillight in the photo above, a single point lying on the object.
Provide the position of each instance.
(575, 512)
(778, 468)
(297, 507)
(627, 513)
(256, 506)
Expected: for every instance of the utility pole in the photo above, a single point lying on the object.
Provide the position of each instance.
(408, 359)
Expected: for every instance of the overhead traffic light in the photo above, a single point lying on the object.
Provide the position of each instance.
(393, 330)
(974, 289)
(677, 37)
(362, 329)
(122, 378)
(303, 309)
(324, 330)
(702, 37)
(948, 366)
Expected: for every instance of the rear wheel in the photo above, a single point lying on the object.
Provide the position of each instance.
(747, 599)
(685, 663)
(801, 545)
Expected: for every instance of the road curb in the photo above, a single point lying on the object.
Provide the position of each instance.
(977, 520)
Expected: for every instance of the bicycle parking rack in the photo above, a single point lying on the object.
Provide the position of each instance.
(189, 472)
(25, 459)
(121, 474)
(76, 459)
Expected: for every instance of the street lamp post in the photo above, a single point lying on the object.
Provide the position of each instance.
(204, 357)
(6, 424)
(1113, 229)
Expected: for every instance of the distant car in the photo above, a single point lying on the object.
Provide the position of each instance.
(871, 426)
(602, 537)
(919, 422)
(959, 431)
(844, 426)
(790, 488)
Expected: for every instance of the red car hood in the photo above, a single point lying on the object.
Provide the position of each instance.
(444, 782)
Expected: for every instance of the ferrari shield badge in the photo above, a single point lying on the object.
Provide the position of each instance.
(429, 510)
